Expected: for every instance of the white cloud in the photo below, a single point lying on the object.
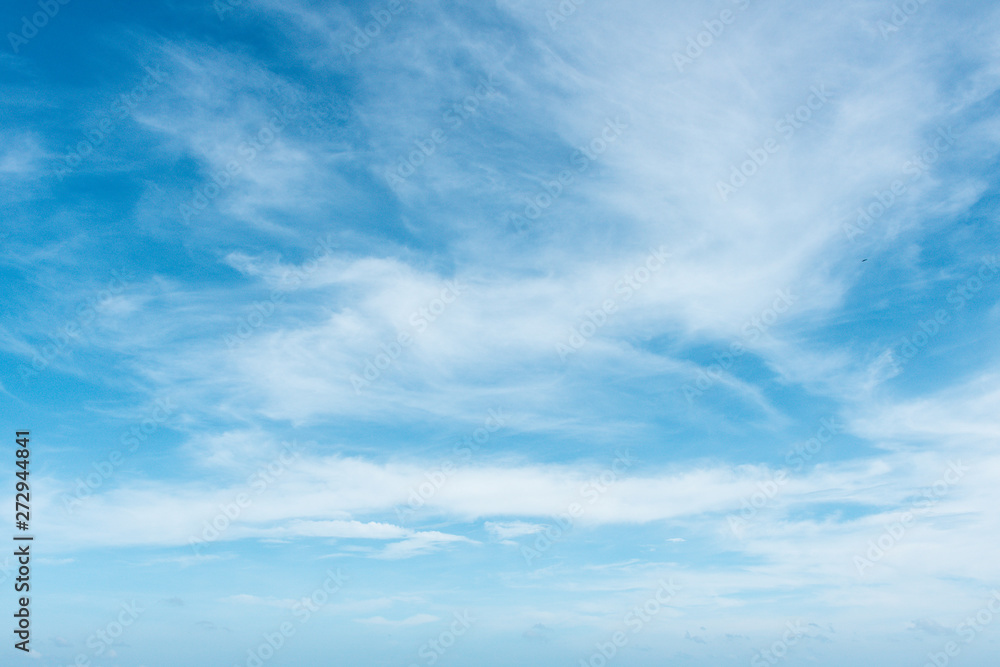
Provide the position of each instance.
(504, 530)
(416, 619)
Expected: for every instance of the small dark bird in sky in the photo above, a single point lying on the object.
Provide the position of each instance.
(865, 260)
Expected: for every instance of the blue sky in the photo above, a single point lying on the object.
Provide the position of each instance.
(486, 328)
